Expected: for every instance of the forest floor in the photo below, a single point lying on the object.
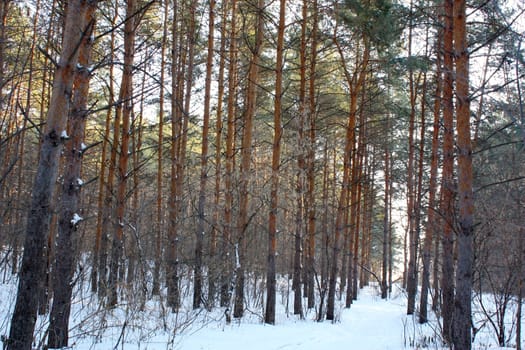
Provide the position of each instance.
(370, 324)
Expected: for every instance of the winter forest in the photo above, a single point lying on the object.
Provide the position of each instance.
(169, 166)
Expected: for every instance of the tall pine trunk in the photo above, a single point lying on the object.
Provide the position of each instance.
(199, 235)
(301, 173)
(411, 244)
(68, 217)
(276, 162)
(214, 267)
(106, 186)
(447, 189)
(230, 161)
(160, 152)
(431, 212)
(172, 259)
(311, 273)
(123, 112)
(39, 215)
(246, 154)
(462, 334)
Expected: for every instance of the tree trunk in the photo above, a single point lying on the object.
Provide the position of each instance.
(390, 238)
(325, 236)
(30, 276)
(367, 203)
(214, 267)
(355, 83)
(68, 217)
(462, 334)
(276, 162)
(172, 260)
(106, 186)
(246, 153)
(199, 235)
(447, 190)
(311, 160)
(431, 217)
(134, 244)
(160, 208)
(301, 172)
(230, 160)
(125, 109)
(357, 181)
(411, 272)
(419, 188)
(386, 222)
(521, 241)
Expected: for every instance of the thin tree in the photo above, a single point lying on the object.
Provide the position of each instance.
(276, 162)
(177, 62)
(419, 184)
(447, 187)
(357, 200)
(431, 212)
(246, 154)
(32, 271)
(160, 152)
(521, 243)
(311, 158)
(199, 239)
(230, 159)
(106, 185)
(213, 278)
(134, 245)
(386, 221)
(301, 172)
(412, 244)
(123, 112)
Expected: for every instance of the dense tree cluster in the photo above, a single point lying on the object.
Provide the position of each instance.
(156, 147)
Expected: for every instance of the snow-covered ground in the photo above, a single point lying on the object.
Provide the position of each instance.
(370, 324)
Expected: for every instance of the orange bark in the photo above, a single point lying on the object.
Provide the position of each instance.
(463, 300)
(123, 112)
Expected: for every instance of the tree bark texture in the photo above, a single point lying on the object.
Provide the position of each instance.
(462, 334)
(447, 190)
(311, 159)
(31, 273)
(68, 217)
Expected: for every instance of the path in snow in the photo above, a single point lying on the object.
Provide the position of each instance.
(370, 324)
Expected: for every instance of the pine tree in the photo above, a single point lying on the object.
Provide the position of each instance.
(31, 273)
(276, 163)
(462, 335)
